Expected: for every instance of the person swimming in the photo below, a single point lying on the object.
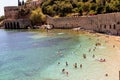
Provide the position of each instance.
(58, 62)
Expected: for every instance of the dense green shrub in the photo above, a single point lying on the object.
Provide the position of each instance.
(37, 17)
(65, 7)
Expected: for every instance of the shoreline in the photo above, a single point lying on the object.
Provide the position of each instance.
(109, 70)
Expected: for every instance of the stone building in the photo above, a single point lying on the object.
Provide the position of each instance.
(104, 23)
(11, 12)
(12, 18)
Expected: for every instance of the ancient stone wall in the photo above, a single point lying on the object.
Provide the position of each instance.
(11, 12)
(108, 23)
(14, 20)
(105, 23)
(17, 23)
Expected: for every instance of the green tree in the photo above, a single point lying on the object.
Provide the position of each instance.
(86, 7)
(37, 17)
(2, 18)
(65, 7)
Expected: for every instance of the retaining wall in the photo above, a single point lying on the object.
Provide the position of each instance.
(105, 23)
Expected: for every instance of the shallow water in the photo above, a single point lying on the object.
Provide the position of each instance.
(33, 55)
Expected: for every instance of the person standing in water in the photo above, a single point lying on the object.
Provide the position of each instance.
(80, 65)
(75, 65)
(84, 56)
(67, 73)
(93, 56)
(63, 70)
(66, 63)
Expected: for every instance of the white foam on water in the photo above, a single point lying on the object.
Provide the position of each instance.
(37, 36)
(101, 47)
(61, 33)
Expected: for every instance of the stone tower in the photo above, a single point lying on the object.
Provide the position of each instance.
(19, 3)
(23, 2)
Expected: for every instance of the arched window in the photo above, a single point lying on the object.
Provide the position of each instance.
(8, 25)
(18, 25)
(5, 26)
(14, 25)
(11, 26)
(118, 22)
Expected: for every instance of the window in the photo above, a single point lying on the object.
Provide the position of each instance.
(114, 27)
(105, 26)
(118, 22)
(110, 26)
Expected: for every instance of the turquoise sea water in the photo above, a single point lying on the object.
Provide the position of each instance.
(33, 55)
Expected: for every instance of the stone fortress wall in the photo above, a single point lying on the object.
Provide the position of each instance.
(17, 23)
(105, 23)
(13, 21)
(11, 12)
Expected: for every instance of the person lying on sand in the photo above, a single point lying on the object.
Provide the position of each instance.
(101, 60)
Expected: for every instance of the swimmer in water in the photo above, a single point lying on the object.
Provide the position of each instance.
(63, 70)
(67, 73)
(58, 62)
(75, 65)
(66, 63)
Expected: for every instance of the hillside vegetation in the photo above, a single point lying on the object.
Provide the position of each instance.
(62, 8)
(83, 7)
